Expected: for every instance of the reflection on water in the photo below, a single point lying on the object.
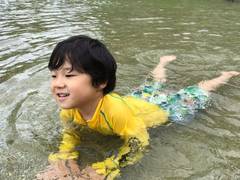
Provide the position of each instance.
(204, 35)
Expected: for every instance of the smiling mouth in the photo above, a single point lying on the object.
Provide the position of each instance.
(62, 94)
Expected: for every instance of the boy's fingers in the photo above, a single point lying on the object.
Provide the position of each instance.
(55, 171)
(62, 170)
(74, 167)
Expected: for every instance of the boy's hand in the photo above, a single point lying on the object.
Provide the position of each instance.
(62, 169)
(68, 170)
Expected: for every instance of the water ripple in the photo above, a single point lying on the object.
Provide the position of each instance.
(206, 42)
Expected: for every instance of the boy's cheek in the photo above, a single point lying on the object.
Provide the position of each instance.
(52, 88)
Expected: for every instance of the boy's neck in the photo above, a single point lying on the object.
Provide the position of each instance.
(88, 110)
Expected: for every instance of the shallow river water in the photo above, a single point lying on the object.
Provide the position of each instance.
(204, 35)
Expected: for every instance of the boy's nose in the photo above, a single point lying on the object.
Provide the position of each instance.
(59, 83)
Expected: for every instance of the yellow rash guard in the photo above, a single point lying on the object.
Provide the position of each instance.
(126, 117)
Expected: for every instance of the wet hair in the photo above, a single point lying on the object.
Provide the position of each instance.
(86, 55)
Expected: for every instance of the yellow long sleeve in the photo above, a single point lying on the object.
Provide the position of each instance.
(70, 139)
(129, 153)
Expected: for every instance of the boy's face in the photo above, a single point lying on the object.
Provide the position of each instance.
(72, 89)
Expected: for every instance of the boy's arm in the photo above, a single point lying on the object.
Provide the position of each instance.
(70, 139)
(135, 136)
(63, 163)
(67, 148)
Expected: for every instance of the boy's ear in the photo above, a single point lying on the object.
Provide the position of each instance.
(102, 86)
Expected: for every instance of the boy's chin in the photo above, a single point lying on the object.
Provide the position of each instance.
(64, 106)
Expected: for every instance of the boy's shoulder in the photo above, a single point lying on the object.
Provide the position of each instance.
(115, 103)
(116, 110)
(114, 99)
(113, 96)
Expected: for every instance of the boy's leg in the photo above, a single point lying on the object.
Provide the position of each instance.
(213, 84)
(158, 72)
(189, 100)
(154, 82)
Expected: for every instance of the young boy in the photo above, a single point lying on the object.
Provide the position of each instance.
(83, 78)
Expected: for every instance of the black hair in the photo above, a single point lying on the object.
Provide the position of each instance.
(86, 55)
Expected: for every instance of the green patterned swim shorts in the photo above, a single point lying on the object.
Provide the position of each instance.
(180, 105)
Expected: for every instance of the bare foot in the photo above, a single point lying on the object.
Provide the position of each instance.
(159, 73)
(164, 60)
(229, 74)
(213, 84)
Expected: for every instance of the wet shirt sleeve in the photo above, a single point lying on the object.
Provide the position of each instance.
(70, 139)
(134, 133)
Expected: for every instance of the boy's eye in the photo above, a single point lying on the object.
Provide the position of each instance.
(53, 76)
(69, 75)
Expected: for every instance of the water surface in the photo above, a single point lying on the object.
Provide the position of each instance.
(205, 37)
